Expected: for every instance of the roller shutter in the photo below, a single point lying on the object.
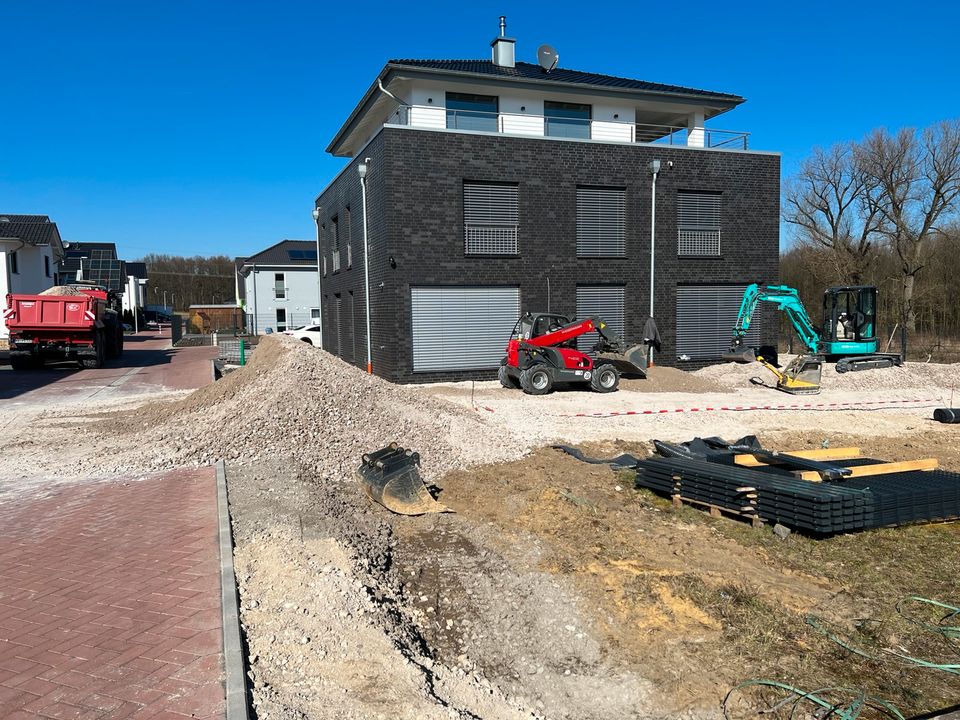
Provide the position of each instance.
(600, 222)
(706, 315)
(490, 218)
(604, 301)
(698, 223)
(461, 328)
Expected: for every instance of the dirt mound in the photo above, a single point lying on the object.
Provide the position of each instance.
(668, 379)
(293, 399)
(62, 290)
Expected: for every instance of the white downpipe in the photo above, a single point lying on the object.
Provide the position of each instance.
(316, 217)
(655, 169)
(366, 260)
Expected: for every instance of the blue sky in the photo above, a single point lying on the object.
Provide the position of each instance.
(189, 126)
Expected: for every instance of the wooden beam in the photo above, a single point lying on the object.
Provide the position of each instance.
(924, 464)
(843, 453)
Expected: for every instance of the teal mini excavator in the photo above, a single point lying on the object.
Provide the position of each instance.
(848, 335)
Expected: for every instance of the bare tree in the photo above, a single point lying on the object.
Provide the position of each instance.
(913, 180)
(831, 203)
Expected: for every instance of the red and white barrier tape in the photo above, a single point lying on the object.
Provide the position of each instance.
(746, 408)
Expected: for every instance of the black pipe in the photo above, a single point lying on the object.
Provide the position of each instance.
(947, 415)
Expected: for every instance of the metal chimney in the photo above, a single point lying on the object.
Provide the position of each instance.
(503, 47)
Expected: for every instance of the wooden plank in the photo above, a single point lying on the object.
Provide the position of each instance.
(924, 464)
(843, 453)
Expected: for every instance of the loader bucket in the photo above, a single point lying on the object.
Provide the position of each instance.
(390, 478)
(631, 363)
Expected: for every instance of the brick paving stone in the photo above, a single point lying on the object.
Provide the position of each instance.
(110, 601)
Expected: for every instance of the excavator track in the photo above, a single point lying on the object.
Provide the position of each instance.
(868, 362)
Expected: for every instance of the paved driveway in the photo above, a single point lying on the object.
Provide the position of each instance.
(148, 364)
(110, 601)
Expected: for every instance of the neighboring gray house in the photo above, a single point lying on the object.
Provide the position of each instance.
(277, 287)
(30, 249)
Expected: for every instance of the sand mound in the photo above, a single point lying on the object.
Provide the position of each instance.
(667, 379)
(296, 400)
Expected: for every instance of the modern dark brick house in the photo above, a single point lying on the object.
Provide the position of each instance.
(497, 187)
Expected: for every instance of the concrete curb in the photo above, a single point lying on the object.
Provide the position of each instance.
(236, 682)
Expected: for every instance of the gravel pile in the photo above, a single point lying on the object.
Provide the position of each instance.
(62, 290)
(931, 377)
(295, 400)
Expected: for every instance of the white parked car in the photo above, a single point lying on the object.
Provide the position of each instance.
(307, 333)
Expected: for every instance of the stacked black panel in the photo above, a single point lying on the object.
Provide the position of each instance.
(800, 504)
(913, 496)
(820, 507)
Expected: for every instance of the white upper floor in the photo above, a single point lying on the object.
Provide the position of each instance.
(526, 99)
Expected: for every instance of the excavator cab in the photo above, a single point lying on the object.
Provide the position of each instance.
(849, 320)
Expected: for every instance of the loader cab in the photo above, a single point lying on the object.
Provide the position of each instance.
(849, 320)
(531, 326)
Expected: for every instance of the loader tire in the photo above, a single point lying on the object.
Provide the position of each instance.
(536, 380)
(605, 379)
(506, 379)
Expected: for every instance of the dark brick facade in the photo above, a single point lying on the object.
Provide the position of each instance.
(415, 217)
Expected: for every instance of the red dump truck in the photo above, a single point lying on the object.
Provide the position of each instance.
(76, 325)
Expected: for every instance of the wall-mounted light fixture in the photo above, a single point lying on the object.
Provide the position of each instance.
(523, 108)
(429, 101)
(616, 116)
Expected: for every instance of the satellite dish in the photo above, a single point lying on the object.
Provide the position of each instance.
(547, 57)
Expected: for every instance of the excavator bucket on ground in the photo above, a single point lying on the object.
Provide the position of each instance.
(631, 363)
(390, 478)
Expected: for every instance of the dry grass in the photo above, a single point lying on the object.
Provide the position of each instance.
(872, 571)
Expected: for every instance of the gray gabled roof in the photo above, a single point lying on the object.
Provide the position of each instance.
(558, 76)
(285, 252)
(30, 229)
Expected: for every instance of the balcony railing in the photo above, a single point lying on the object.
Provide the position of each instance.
(429, 116)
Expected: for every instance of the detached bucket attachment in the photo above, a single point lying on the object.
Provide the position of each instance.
(390, 477)
(630, 363)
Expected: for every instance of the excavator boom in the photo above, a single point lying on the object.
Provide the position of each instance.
(786, 299)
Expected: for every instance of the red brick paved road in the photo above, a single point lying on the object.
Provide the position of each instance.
(110, 601)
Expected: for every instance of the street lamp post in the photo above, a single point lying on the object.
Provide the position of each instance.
(655, 170)
(362, 171)
(316, 221)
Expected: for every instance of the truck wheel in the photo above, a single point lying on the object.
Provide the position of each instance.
(605, 378)
(536, 380)
(22, 362)
(506, 379)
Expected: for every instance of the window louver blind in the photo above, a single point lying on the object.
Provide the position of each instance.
(490, 218)
(706, 315)
(601, 226)
(606, 302)
(461, 328)
(698, 223)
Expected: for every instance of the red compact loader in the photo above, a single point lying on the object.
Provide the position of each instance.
(543, 351)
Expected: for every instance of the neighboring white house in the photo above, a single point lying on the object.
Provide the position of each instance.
(30, 250)
(277, 287)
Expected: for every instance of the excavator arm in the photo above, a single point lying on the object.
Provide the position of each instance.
(786, 299)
